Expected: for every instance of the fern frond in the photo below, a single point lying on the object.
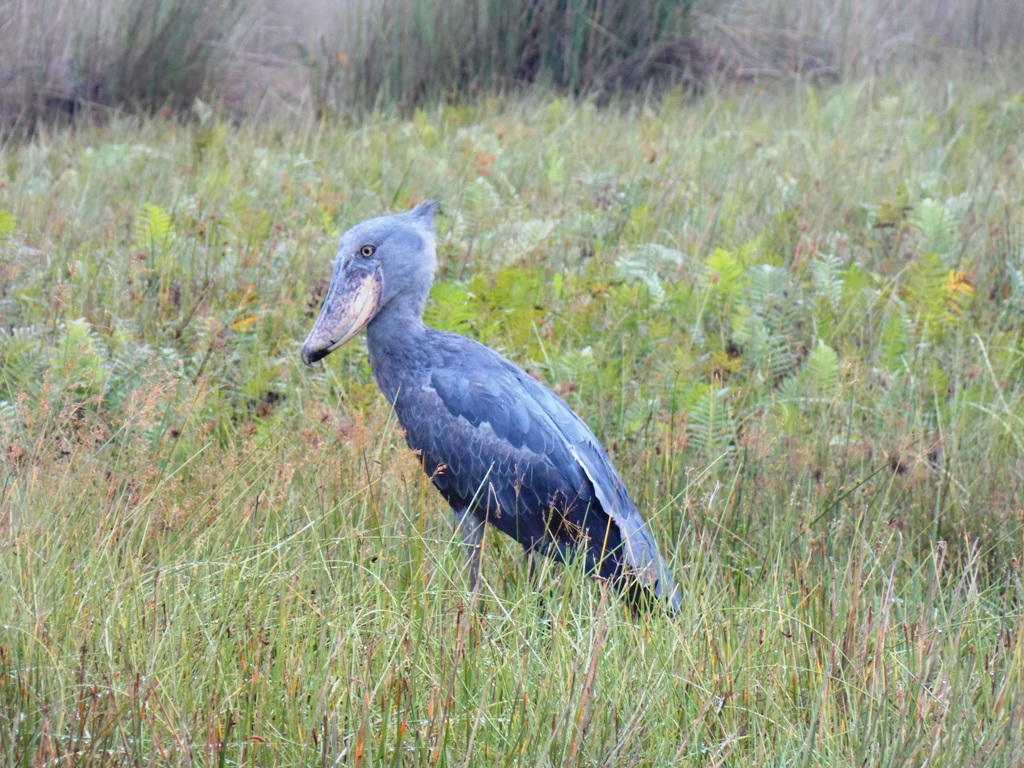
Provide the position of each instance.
(152, 228)
(928, 293)
(637, 270)
(895, 337)
(723, 274)
(452, 307)
(573, 365)
(479, 204)
(526, 236)
(935, 226)
(79, 359)
(826, 275)
(821, 371)
(8, 415)
(650, 264)
(768, 288)
(22, 361)
(712, 423)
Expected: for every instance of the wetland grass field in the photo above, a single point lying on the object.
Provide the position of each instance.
(792, 313)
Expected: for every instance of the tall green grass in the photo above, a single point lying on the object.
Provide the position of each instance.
(425, 51)
(792, 317)
(69, 60)
(64, 58)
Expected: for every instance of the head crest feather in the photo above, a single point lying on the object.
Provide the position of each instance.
(426, 209)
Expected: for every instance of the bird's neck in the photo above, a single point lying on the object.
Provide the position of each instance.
(395, 339)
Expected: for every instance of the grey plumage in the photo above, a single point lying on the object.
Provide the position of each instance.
(499, 445)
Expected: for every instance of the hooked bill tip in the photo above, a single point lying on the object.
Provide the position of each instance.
(310, 356)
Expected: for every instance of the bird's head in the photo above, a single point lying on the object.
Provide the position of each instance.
(378, 261)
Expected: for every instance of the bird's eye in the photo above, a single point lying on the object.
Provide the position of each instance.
(367, 251)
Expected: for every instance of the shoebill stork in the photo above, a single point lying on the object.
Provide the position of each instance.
(502, 448)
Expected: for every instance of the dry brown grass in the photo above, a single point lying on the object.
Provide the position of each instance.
(777, 38)
(62, 57)
(59, 58)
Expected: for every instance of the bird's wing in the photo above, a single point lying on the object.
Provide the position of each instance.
(485, 444)
(485, 425)
(641, 552)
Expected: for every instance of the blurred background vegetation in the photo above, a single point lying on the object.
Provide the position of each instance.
(59, 58)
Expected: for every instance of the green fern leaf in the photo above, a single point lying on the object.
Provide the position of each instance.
(926, 294)
(452, 307)
(152, 228)
(79, 361)
(479, 205)
(723, 274)
(895, 338)
(8, 415)
(821, 372)
(526, 236)
(712, 423)
(767, 288)
(935, 226)
(573, 365)
(22, 360)
(767, 325)
(649, 264)
(636, 270)
(827, 279)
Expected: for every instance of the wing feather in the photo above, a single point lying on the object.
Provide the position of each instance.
(487, 431)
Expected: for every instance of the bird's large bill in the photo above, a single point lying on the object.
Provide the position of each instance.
(352, 301)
